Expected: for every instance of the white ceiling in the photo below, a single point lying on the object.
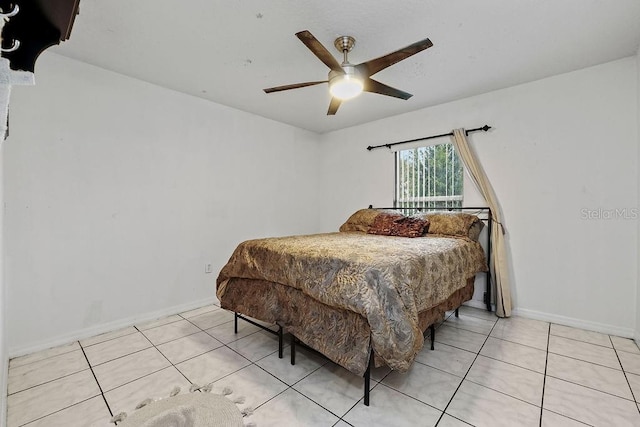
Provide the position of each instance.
(227, 51)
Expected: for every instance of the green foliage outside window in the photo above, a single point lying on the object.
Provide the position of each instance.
(429, 177)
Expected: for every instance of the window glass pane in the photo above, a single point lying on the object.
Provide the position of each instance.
(428, 177)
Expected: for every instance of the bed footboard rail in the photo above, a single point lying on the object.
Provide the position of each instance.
(367, 374)
(279, 333)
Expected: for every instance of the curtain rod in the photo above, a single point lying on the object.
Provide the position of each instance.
(483, 128)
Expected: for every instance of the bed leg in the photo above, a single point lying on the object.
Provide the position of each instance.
(235, 322)
(367, 380)
(457, 312)
(280, 341)
(293, 349)
(432, 330)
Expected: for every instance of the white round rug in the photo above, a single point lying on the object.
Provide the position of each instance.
(187, 410)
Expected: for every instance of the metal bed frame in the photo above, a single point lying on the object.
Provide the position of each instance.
(432, 330)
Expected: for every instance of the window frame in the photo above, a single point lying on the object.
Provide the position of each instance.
(434, 202)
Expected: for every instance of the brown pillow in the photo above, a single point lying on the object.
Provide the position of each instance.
(363, 219)
(454, 224)
(399, 225)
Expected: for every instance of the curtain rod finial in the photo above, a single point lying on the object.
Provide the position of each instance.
(369, 148)
(486, 128)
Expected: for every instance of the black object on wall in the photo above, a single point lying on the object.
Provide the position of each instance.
(39, 24)
(484, 128)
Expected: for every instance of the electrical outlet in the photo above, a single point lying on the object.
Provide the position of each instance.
(207, 268)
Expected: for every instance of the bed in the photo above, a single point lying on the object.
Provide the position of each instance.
(362, 296)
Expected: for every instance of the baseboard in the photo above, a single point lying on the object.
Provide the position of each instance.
(577, 323)
(107, 327)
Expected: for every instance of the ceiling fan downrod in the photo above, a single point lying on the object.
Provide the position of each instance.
(344, 44)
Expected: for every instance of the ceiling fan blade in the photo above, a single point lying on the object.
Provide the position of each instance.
(319, 50)
(371, 67)
(333, 106)
(293, 86)
(374, 86)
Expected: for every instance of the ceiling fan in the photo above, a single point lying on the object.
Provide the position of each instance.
(347, 80)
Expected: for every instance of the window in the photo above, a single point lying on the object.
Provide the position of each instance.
(428, 177)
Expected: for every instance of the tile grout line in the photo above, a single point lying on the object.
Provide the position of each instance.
(579, 340)
(96, 378)
(122, 357)
(568, 417)
(107, 340)
(151, 373)
(138, 378)
(403, 393)
(591, 388)
(444, 411)
(39, 360)
(505, 340)
(512, 364)
(585, 361)
(625, 375)
(271, 398)
(301, 379)
(46, 382)
(58, 411)
(514, 342)
(290, 387)
(162, 354)
(201, 330)
(174, 366)
(571, 382)
(238, 370)
(544, 378)
(152, 346)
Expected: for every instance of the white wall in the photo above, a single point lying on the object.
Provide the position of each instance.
(4, 352)
(559, 145)
(118, 192)
(8, 78)
(637, 333)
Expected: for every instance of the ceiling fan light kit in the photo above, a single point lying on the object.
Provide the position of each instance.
(346, 80)
(345, 86)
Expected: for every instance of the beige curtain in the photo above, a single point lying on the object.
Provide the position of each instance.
(499, 263)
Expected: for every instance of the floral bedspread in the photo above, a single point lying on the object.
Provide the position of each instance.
(387, 280)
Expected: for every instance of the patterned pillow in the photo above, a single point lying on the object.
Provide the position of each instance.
(453, 224)
(363, 219)
(399, 225)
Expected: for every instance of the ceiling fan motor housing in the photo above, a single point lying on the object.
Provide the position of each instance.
(350, 72)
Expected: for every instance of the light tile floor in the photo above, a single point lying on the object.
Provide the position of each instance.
(484, 371)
